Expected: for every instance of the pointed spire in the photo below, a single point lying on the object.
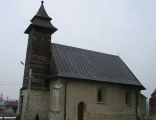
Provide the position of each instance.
(42, 20)
(41, 13)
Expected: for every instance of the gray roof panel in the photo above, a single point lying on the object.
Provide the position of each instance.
(85, 64)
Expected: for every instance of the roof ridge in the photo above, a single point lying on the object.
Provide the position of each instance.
(86, 49)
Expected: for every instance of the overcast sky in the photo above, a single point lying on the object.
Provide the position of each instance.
(124, 27)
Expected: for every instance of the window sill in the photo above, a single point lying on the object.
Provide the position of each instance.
(128, 105)
(101, 103)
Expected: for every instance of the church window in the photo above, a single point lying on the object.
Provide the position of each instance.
(101, 95)
(128, 98)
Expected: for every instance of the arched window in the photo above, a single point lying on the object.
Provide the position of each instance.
(101, 95)
(128, 98)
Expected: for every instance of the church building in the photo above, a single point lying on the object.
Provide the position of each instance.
(68, 83)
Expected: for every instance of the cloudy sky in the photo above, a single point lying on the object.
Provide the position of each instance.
(124, 27)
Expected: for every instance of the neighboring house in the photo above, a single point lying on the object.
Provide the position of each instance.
(8, 107)
(68, 83)
(11, 107)
(2, 102)
(152, 106)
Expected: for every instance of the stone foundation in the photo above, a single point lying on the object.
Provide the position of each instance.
(37, 103)
(103, 116)
(153, 117)
(56, 115)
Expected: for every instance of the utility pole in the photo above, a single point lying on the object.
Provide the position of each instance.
(3, 110)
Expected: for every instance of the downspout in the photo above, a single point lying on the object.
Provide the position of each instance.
(136, 105)
(65, 99)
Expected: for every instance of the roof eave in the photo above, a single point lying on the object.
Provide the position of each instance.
(51, 30)
(51, 77)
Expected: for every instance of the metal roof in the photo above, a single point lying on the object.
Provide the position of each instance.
(84, 64)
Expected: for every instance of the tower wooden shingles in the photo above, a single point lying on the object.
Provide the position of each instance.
(38, 50)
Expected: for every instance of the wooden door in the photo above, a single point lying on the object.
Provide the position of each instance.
(80, 110)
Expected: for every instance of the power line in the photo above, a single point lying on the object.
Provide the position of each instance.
(10, 84)
(10, 81)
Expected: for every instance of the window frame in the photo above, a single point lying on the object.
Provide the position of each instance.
(101, 95)
(128, 98)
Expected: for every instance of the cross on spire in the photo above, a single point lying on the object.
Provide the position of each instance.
(42, 2)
